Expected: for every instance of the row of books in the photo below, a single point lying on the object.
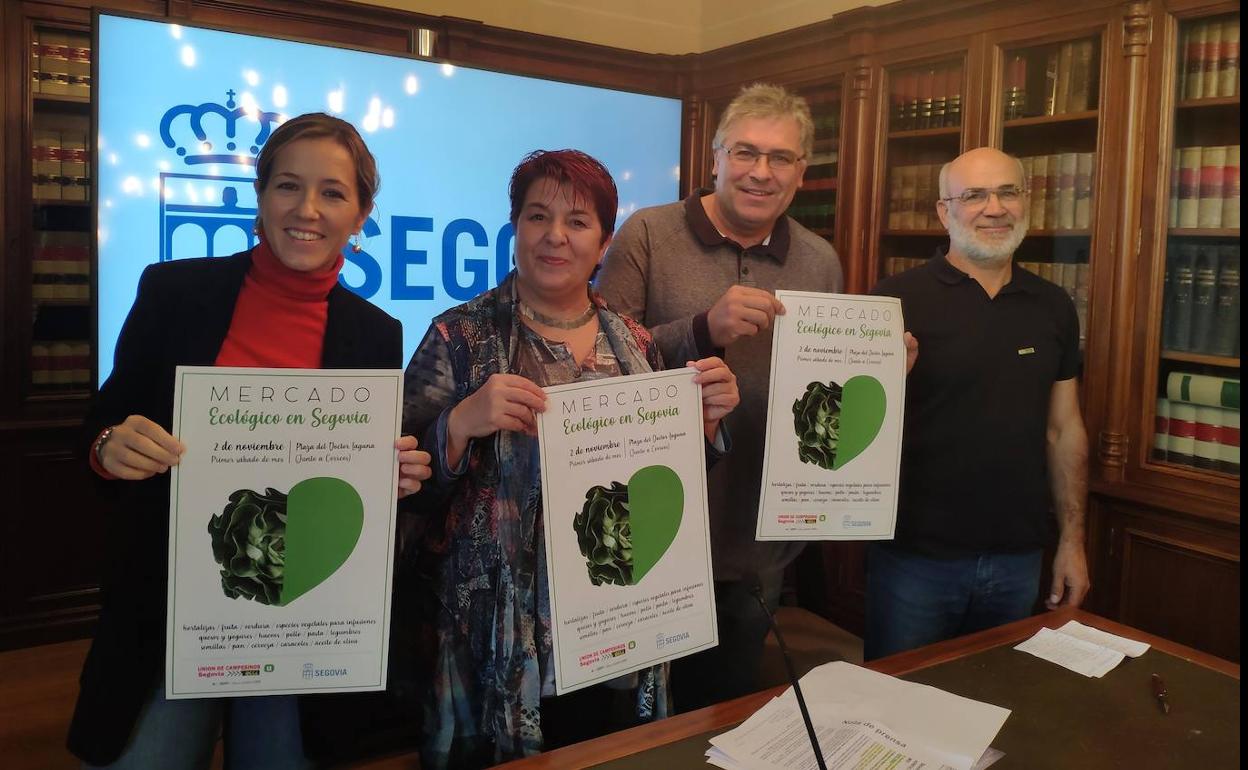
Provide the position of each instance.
(929, 97)
(1204, 187)
(814, 215)
(60, 63)
(61, 159)
(1205, 437)
(912, 194)
(61, 266)
(61, 364)
(1209, 59)
(1200, 299)
(1060, 197)
(1197, 422)
(1067, 86)
(1061, 190)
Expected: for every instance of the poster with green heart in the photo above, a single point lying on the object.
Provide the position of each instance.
(623, 468)
(281, 530)
(835, 406)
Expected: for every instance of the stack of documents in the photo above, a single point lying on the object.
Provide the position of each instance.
(1086, 650)
(863, 720)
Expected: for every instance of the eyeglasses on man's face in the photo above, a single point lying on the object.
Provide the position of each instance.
(978, 196)
(746, 155)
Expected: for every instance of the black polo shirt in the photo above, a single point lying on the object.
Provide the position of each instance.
(974, 476)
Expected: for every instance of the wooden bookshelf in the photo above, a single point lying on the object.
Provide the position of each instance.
(1213, 101)
(1204, 232)
(1052, 120)
(1200, 358)
(919, 133)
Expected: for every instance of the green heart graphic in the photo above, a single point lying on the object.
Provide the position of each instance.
(656, 501)
(325, 520)
(863, 405)
(274, 548)
(834, 424)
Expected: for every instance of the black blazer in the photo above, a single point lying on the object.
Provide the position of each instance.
(180, 317)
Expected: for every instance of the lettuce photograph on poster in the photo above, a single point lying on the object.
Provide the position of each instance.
(624, 530)
(273, 548)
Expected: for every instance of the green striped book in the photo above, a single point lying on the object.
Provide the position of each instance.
(1203, 389)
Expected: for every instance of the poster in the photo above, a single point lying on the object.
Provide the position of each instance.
(628, 548)
(834, 419)
(281, 530)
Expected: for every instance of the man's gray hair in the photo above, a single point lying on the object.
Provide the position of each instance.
(766, 101)
(944, 175)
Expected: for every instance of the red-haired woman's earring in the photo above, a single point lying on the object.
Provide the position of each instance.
(356, 248)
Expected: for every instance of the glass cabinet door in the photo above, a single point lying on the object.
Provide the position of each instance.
(59, 244)
(1050, 122)
(924, 132)
(1197, 382)
(814, 205)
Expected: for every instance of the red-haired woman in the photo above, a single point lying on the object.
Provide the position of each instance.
(471, 390)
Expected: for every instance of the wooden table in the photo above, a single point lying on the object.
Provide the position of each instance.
(1060, 719)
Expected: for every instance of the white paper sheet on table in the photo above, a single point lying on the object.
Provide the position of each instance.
(1129, 647)
(1080, 656)
(945, 728)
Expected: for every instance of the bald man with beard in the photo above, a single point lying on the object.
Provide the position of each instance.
(994, 454)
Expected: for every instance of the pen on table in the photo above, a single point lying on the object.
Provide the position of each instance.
(1159, 692)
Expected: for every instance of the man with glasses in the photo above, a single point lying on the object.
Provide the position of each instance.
(994, 448)
(700, 274)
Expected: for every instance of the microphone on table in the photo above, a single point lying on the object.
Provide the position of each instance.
(756, 588)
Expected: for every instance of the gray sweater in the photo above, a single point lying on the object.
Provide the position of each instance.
(666, 266)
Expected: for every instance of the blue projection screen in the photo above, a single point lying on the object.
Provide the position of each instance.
(183, 111)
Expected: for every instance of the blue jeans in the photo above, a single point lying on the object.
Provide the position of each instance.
(261, 733)
(914, 600)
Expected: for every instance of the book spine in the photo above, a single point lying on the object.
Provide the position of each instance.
(1085, 162)
(909, 181)
(1228, 65)
(1051, 191)
(1080, 76)
(74, 165)
(46, 165)
(940, 97)
(1230, 188)
(1212, 172)
(78, 56)
(1173, 219)
(1189, 186)
(1015, 78)
(1039, 189)
(1029, 169)
(1204, 298)
(1065, 64)
(953, 110)
(913, 101)
(36, 71)
(1205, 443)
(1181, 444)
(1202, 389)
(1184, 277)
(1213, 56)
(1228, 442)
(1168, 309)
(897, 117)
(1225, 340)
(894, 197)
(1066, 190)
(40, 365)
(1195, 76)
(54, 64)
(1161, 430)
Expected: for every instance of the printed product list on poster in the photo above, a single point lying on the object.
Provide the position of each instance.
(627, 536)
(282, 515)
(834, 419)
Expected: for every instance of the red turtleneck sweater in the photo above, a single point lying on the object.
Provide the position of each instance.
(279, 318)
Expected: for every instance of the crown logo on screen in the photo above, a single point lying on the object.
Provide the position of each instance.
(222, 146)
